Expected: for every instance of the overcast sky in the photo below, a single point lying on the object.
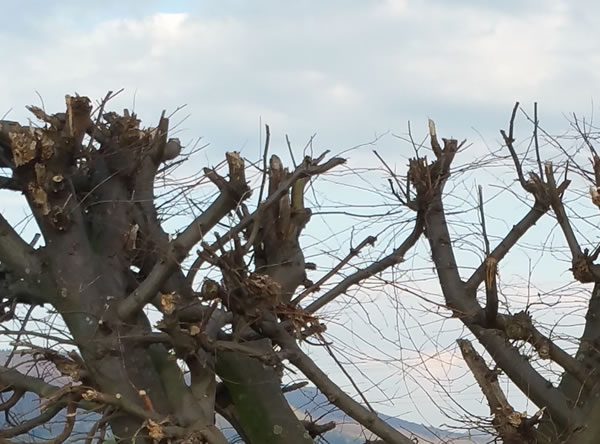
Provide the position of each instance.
(346, 70)
(343, 69)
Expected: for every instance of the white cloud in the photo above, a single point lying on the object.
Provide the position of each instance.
(346, 70)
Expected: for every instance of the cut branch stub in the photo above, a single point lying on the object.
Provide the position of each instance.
(278, 252)
(24, 148)
(583, 269)
(512, 426)
(596, 165)
(78, 117)
(520, 327)
(491, 291)
(429, 179)
(159, 142)
(231, 191)
(435, 145)
(44, 157)
(237, 177)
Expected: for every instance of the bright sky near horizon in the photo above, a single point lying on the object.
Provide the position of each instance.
(349, 71)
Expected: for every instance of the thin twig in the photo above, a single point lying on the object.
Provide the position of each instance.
(345, 372)
(289, 145)
(19, 335)
(100, 109)
(256, 224)
(483, 229)
(395, 177)
(370, 240)
(395, 257)
(536, 141)
(508, 140)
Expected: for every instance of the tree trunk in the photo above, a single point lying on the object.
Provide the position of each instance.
(261, 407)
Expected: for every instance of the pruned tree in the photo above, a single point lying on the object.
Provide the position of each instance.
(516, 343)
(162, 331)
(89, 180)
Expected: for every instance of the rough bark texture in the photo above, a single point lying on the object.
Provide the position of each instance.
(89, 177)
(264, 414)
(89, 180)
(568, 412)
(95, 205)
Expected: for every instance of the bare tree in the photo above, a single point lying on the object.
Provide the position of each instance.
(232, 293)
(89, 180)
(565, 390)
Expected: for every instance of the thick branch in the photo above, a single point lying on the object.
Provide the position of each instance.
(224, 407)
(314, 429)
(583, 269)
(507, 422)
(8, 183)
(148, 289)
(261, 410)
(520, 327)
(465, 306)
(12, 378)
(370, 240)
(334, 394)
(208, 344)
(26, 426)
(511, 239)
(307, 169)
(26, 291)
(234, 191)
(195, 231)
(508, 358)
(209, 432)
(394, 258)
(521, 372)
(14, 398)
(587, 353)
(561, 215)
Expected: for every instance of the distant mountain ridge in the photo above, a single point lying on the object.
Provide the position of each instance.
(307, 399)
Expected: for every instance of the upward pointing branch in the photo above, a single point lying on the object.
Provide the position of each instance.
(334, 394)
(181, 246)
(232, 192)
(511, 425)
(394, 258)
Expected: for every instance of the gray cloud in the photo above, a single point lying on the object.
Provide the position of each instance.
(343, 69)
(347, 70)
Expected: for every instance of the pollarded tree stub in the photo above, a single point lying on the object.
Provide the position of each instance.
(237, 171)
(277, 246)
(101, 300)
(23, 148)
(78, 117)
(44, 158)
(172, 149)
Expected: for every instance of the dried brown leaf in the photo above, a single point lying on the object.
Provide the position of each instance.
(155, 430)
(168, 302)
